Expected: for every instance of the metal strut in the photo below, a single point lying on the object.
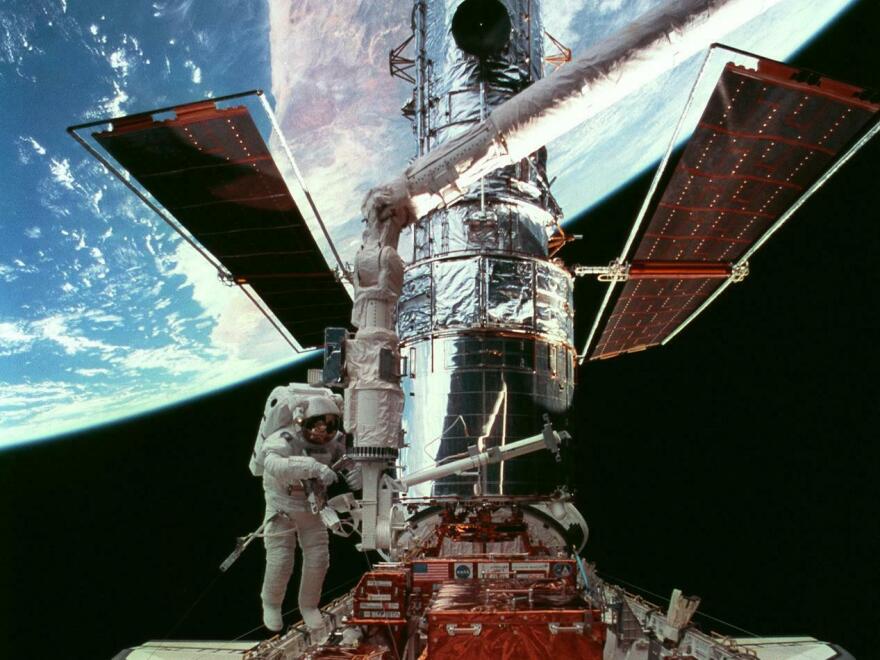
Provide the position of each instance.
(398, 65)
(562, 54)
(618, 271)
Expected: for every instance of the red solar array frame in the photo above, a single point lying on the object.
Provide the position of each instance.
(762, 141)
(211, 169)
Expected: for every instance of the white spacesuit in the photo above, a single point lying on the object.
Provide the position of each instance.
(303, 439)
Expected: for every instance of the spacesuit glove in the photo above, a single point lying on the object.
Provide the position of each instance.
(322, 472)
(354, 478)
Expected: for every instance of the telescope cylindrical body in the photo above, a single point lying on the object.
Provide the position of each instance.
(485, 317)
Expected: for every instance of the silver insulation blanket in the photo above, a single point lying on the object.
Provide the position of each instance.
(455, 282)
(460, 90)
(513, 228)
(469, 315)
(592, 82)
(553, 295)
(510, 293)
(525, 295)
(454, 78)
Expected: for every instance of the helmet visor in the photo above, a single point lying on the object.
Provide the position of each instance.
(327, 423)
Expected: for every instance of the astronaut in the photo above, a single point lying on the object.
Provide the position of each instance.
(299, 439)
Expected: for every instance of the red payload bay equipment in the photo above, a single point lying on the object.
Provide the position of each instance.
(381, 597)
(512, 619)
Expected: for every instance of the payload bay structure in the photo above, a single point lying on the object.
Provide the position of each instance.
(463, 350)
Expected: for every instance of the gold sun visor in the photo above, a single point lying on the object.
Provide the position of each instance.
(212, 171)
(768, 138)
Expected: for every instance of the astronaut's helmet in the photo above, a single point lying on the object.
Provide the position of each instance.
(321, 419)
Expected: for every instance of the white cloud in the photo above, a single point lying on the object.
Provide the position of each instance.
(133, 41)
(103, 317)
(196, 71)
(56, 328)
(113, 105)
(93, 29)
(7, 273)
(22, 267)
(39, 149)
(606, 6)
(96, 200)
(33, 232)
(33, 410)
(33, 395)
(29, 411)
(61, 173)
(170, 358)
(240, 330)
(346, 114)
(13, 338)
(119, 61)
(90, 373)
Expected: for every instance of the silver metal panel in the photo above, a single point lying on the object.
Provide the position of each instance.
(510, 293)
(513, 294)
(414, 306)
(460, 90)
(553, 302)
(455, 282)
(506, 227)
(453, 388)
(454, 76)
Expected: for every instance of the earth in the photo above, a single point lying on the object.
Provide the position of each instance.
(105, 313)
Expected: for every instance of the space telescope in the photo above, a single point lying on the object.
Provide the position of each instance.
(456, 352)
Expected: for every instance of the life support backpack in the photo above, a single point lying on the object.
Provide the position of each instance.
(285, 406)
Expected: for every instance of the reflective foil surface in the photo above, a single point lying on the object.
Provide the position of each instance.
(485, 317)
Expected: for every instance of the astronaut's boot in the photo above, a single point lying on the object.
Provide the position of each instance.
(319, 631)
(312, 617)
(351, 636)
(272, 618)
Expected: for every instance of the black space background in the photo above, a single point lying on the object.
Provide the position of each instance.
(737, 463)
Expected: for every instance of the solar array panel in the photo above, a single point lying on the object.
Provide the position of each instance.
(765, 137)
(211, 169)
